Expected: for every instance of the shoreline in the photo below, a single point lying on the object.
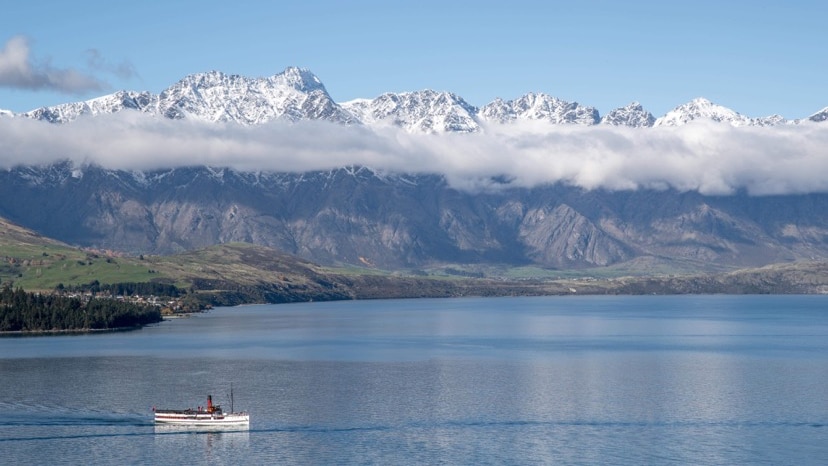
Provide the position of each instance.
(80, 331)
(35, 333)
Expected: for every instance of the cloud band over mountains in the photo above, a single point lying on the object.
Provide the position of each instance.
(702, 156)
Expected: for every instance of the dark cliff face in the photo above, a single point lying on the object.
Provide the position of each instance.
(358, 216)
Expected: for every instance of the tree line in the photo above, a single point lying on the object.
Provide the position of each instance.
(125, 289)
(31, 312)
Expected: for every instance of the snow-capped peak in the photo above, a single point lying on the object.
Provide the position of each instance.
(421, 111)
(820, 116)
(701, 108)
(770, 120)
(111, 103)
(296, 94)
(539, 106)
(704, 109)
(632, 115)
(300, 79)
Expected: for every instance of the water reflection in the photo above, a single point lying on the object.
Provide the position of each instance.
(208, 442)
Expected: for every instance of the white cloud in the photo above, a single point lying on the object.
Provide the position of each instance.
(17, 70)
(707, 157)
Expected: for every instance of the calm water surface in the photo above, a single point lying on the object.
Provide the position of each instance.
(558, 380)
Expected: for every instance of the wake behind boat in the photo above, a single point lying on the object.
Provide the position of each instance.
(212, 415)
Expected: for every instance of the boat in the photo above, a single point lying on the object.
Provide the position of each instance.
(211, 415)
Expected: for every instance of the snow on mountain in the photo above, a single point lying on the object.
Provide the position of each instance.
(422, 111)
(112, 103)
(771, 120)
(6, 113)
(539, 106)
(820, 116)
(632, 115)
(701, 108)
(296, 94)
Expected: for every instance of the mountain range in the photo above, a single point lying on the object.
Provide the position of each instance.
(361, 216)
(397, 221)
(297, 94)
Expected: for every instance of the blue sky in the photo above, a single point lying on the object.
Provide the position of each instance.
(757, 57)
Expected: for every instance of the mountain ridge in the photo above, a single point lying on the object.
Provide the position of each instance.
(401, 221)
(298, 94)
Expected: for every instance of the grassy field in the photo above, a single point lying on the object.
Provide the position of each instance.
(36, 263)
(44, 267)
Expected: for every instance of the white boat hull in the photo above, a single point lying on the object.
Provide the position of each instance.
(201, 418)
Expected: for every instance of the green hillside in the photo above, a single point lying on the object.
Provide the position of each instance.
(240, 273)
(34, 262)
(230, 274)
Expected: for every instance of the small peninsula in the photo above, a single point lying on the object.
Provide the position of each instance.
(25, 312)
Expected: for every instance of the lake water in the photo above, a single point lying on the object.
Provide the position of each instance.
(553, 380)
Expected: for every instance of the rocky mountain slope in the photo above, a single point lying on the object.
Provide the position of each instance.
(424, 111)
(358, 216)
(294, 94)
(819, 116)
(237, 273)
(540, 107)
(632, 115)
